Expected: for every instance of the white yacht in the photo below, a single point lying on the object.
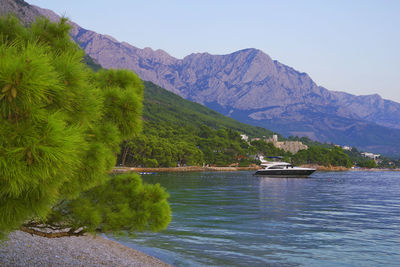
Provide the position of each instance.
(282, 169)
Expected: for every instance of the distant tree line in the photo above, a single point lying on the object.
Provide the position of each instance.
(161, 145)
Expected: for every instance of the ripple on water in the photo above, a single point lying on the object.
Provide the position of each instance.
(236, 219)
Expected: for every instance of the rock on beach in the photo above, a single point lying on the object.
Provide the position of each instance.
(23, 249)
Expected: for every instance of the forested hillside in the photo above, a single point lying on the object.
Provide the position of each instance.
(179, 132)
(162, 106)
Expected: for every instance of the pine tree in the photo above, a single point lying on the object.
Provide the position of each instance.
(61, 126)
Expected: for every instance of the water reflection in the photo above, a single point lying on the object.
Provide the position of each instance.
(279, 197)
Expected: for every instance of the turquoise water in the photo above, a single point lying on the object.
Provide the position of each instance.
(237, 219)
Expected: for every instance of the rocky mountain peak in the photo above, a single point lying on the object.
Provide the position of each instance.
(159, 56)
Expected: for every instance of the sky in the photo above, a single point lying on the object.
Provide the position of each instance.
(351, 46)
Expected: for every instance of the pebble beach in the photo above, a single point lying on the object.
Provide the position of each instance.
(23, 249)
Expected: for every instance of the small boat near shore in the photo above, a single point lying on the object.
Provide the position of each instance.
(283, 169)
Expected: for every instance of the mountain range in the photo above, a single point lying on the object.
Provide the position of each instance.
(249, 86)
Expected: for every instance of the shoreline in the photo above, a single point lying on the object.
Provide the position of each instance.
(230, 169)
(23, 249)
(181, 169)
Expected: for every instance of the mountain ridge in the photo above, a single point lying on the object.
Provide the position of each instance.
(162, 70)
(250, 86)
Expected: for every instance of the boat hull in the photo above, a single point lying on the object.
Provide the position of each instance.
(289, 173)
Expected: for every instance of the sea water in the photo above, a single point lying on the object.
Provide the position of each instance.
(236, 219)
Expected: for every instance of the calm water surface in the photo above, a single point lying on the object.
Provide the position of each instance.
(237, 219)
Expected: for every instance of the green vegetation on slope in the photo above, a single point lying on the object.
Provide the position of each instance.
(334, 156)
(179, 132)
(164, 107)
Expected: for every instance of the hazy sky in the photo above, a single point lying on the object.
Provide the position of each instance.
(351, 46)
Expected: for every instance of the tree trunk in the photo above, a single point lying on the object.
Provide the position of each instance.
(51, 235)
(124, 155)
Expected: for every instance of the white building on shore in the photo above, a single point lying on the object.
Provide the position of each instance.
(244, 137)
(370, 155)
